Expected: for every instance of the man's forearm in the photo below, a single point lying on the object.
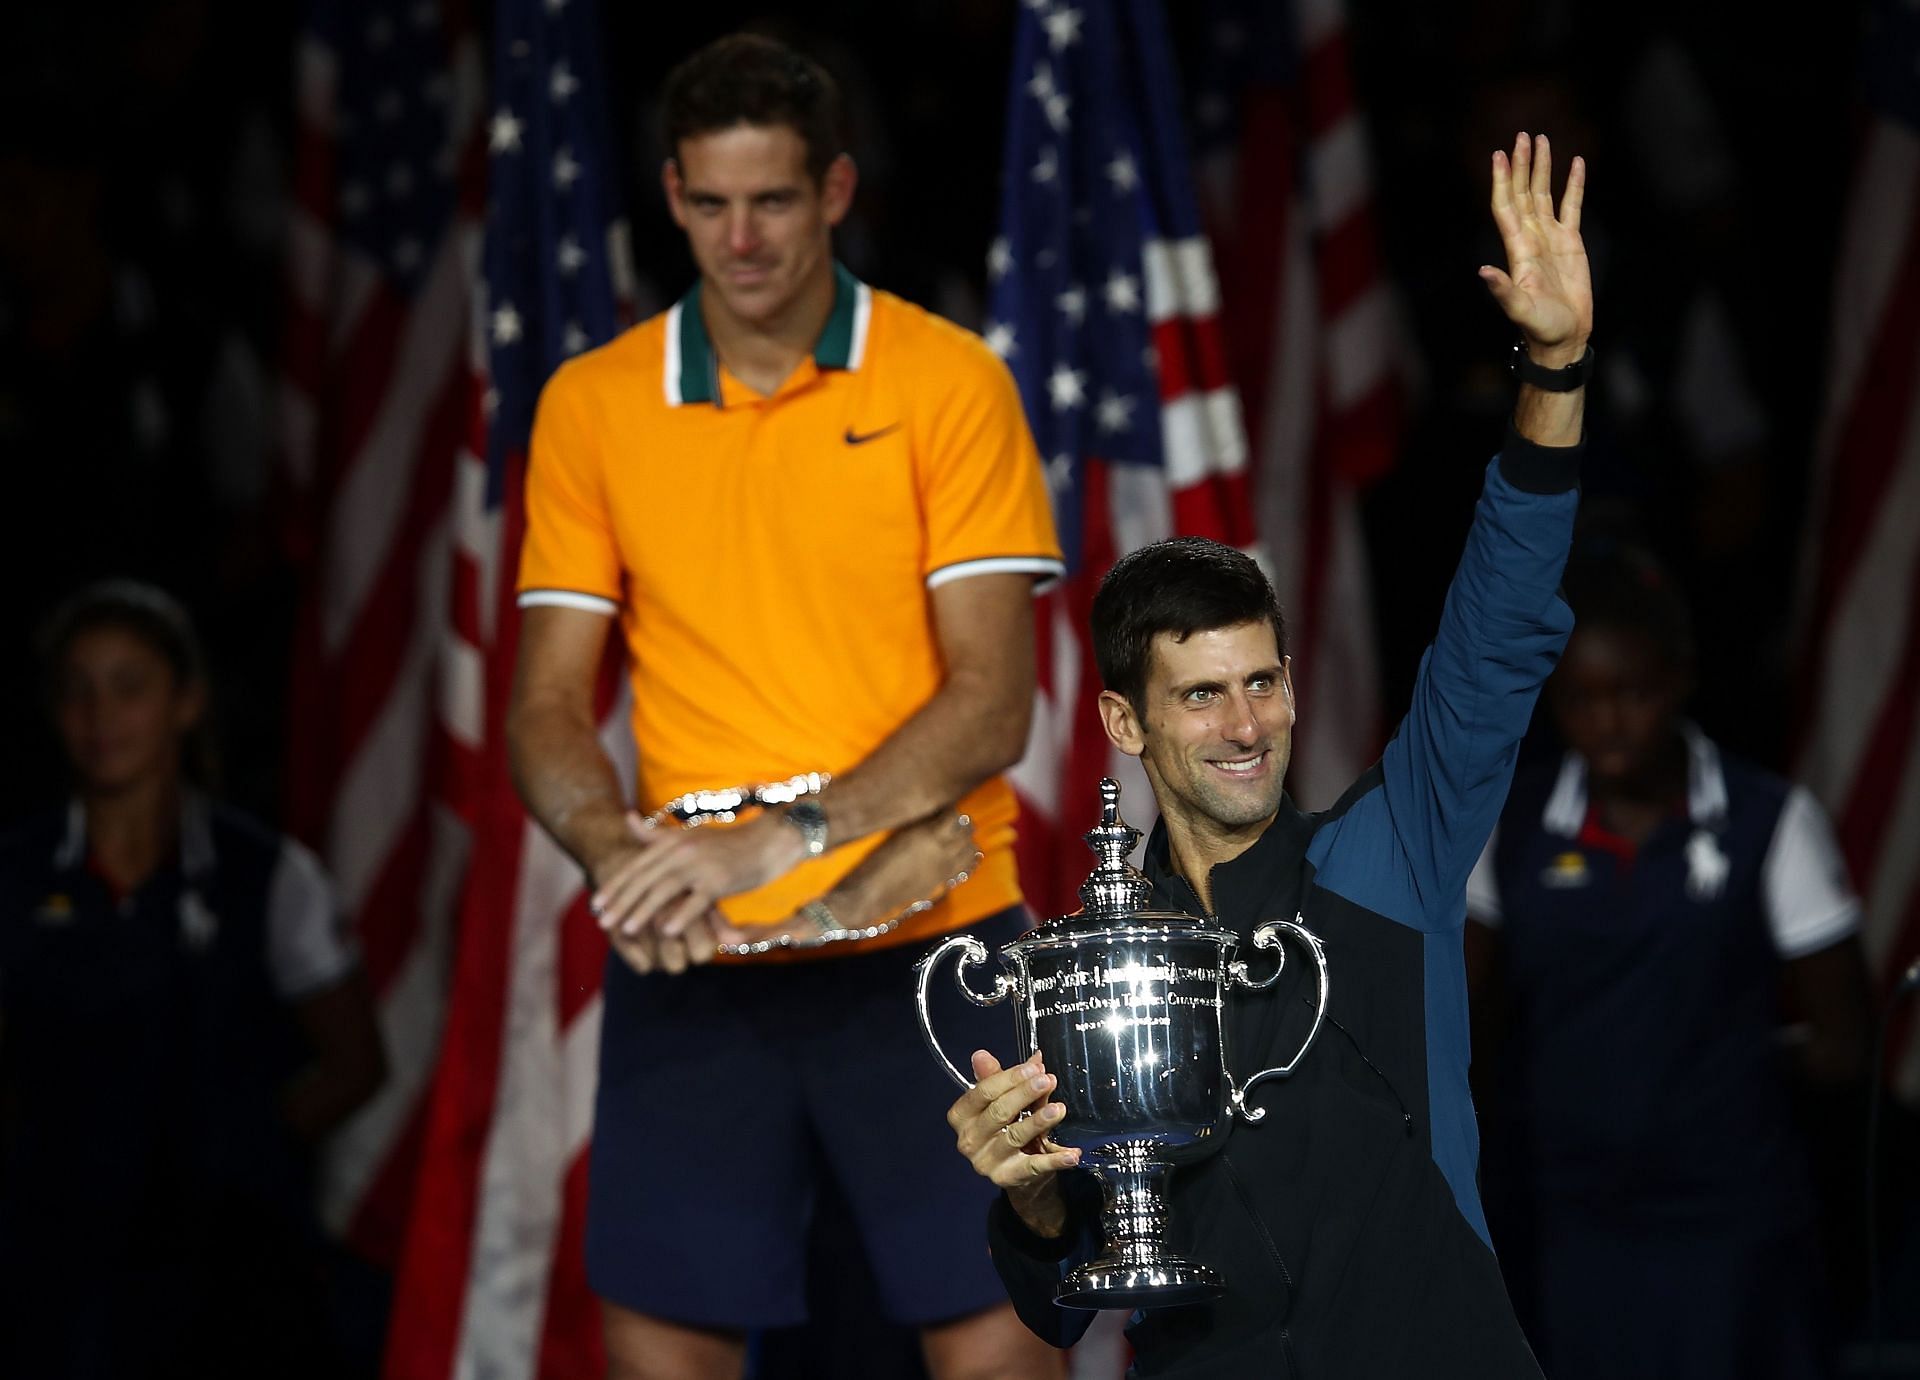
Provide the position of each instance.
(962, 736)
(1547, 418)
(566, 782)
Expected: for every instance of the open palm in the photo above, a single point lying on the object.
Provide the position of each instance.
(1546, 289)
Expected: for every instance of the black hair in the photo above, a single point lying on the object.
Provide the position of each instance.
(1183, 586)
(155, 618)
(750, 79)
(1622, 586)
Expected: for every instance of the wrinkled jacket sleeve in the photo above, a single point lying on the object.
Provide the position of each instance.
(1447, 769)
(1032, 1266)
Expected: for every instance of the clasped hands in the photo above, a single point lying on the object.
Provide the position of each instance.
(655, 893)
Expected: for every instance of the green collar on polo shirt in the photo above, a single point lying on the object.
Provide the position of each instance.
(692, 372)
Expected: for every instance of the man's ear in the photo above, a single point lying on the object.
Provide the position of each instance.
(836, 188)
(1124, 729)
(1286, 677)
(675, 187)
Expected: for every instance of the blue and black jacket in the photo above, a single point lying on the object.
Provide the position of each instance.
(1348, 1223)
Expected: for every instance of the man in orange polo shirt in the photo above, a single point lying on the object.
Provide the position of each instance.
(818, 516)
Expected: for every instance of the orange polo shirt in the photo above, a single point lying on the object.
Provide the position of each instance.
(769, 558)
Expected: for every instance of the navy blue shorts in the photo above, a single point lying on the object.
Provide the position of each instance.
(724, 1095)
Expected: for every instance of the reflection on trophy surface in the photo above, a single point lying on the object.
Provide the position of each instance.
(1126, 1005)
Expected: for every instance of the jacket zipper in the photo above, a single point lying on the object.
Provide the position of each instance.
(1406, 1117)
(1260, 1225)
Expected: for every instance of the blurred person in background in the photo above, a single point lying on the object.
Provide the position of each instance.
(1644, 905)
(181, 1018)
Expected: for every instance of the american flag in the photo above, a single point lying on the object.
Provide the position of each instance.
(1105, 305)
(492, 1279)
(375, 400)
(1312, 329)
(1862, 586)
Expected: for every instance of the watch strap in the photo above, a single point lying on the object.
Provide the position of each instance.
(1562, 380)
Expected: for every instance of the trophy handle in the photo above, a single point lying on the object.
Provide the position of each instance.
(1267, 936)
(972, 953)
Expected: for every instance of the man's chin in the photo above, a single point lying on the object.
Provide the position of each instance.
(1239, 809)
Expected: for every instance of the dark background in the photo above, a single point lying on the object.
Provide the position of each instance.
(146, 147)
(145, 155)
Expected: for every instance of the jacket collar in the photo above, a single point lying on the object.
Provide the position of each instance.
(1566, 808)
(1265, 880)
(196, 836)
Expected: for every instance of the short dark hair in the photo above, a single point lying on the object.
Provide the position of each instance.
(1619, 585)
(750, 79)
(1183, 586)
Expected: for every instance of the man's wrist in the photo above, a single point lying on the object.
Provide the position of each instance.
(808, 823)
(1041, 1209)
(789, 848)
(1558, 355)
(601, 833)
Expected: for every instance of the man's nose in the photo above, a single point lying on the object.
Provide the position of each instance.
(1241, 725)
(743, 236)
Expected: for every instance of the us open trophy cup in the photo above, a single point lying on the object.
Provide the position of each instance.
(1127, 1005)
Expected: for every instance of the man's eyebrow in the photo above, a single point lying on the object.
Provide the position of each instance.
(1213, 683)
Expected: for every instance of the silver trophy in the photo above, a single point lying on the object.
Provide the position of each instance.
(1126, 1006)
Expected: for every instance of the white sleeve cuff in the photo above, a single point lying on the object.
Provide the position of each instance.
(308, 949)
(1810, 903)
(567, 599)
(1047, 568)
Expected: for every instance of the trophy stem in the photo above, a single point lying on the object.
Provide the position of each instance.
(1136, 1268)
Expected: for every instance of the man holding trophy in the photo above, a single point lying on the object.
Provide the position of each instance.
(1340, 1231)
(816, 515)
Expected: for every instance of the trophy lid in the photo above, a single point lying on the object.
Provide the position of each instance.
(1115, 891)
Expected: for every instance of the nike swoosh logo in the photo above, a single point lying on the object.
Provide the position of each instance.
(855, 438)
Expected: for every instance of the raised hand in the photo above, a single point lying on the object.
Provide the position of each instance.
(1546, 289)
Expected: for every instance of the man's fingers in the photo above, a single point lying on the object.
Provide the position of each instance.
(606, 888)
(615, 894)
(1575, 195)
(1024, 1133)
(638, 951)
(642, 907)
(673, 954)
(679, 917)
(976, 1102)
(1542, 176)
(1500, 285)
(1021, 1168)
(703, 940)
(1008, 1105)
(1523, 174)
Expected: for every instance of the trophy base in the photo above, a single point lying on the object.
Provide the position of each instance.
(1116, 1284)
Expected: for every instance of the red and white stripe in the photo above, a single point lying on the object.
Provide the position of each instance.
(1201, 491)
(1313, 327)
(1861, 609)
(374, 404)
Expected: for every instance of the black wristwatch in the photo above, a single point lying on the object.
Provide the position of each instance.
(811, 821)
(1562, 380)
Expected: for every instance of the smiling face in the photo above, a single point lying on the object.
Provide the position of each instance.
(759, 224)
(1214, 730)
